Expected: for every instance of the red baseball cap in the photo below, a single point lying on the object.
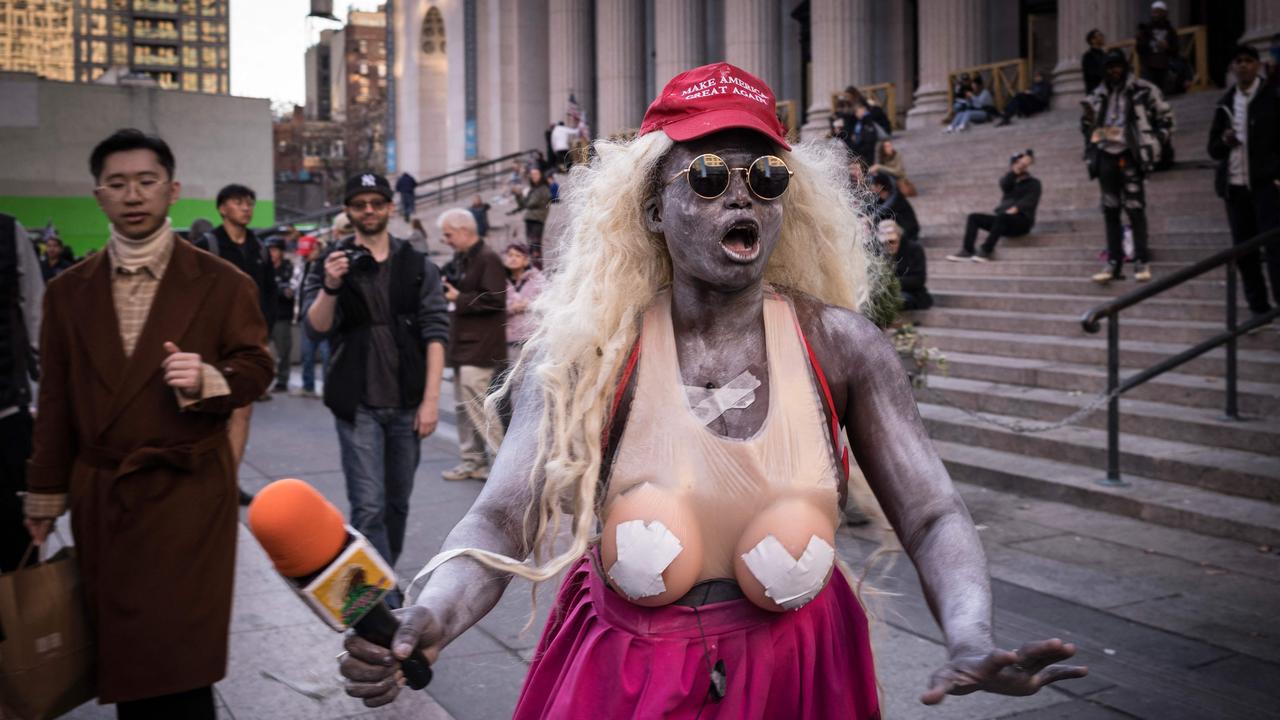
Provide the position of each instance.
(712, 98)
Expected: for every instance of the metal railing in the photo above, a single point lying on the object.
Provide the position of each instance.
(1004, 79)
(438, 188)
(1193, 47)
(1111, 311)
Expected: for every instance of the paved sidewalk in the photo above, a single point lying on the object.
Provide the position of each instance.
(1172, 624)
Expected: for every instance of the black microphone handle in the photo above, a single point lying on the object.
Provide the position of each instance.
(379, 626)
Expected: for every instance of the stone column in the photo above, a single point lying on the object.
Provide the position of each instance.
(840, 33)
(679, 38)
(1117, 20)
(570, 39)
(952, 36)
(753, 40)
(1261, 21)
(619, 65)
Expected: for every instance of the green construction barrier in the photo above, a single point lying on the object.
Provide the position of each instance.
(83, 227)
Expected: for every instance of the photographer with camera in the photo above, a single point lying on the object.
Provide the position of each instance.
(381, 304)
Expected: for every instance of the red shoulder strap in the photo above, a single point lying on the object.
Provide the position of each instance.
(830, 405)
(628, 371)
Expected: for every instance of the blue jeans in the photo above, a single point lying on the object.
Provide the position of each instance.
(309, 349)
(380, 454)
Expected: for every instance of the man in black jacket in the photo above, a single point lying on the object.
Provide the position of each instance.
(1094, 59)
(234, 242)
(907, 259)
(893, 205)
(21, 304)
(1013, 217)
(282, 328)
(380, 303)
(1245, 140)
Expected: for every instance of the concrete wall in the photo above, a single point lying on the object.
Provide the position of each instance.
(48, 129)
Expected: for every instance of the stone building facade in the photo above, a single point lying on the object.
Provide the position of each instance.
(477, 79)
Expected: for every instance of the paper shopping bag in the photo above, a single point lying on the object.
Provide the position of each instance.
(46, 646)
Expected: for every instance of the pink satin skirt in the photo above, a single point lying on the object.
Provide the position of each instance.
(601, 656)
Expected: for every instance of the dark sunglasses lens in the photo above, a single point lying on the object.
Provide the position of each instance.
(769, 177)
(708, 176)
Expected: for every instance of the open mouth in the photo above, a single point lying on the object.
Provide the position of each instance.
(742, 242)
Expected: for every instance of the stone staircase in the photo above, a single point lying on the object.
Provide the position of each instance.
(1016, 353)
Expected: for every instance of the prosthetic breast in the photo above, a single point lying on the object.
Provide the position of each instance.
(685, 504)
(651, 546)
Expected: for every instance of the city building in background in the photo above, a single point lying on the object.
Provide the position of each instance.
(179, 44)
(182, 44)
(342, 128)
(36, 37)
(47, 129)
(319, 77)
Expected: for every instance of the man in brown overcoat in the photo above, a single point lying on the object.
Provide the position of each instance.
(146, 349)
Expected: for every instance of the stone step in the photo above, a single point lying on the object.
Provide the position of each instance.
(1206, 242)
(1224, 470)
(1050, 392)
(1085, 219)
(1079, 286)
(1012, 249)
(1256, 398)
(1253, 366)
(1050, 268)
(1163, 503)
(1186, 332)
(1153, 309)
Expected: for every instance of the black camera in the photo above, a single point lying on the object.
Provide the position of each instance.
(360, 260)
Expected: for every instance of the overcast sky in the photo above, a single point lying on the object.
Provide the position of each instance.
(268, 40)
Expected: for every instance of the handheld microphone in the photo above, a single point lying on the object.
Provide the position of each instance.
(330, 565)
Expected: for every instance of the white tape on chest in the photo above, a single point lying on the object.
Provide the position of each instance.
(787, 581)
(710, 403)
(645, 550)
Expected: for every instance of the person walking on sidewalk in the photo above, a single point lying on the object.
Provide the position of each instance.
(234, 242)
(535, 201)
(145, 350)
(1013, 217)
(282, 271)
(477, 289)
(379, 301)
(1126, 123)
(1245, 140)
(407, 188)
(22, 298)
(312, 348)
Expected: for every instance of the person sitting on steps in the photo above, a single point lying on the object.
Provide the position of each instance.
(1014, 216)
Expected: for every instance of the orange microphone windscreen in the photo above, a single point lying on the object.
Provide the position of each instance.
(300, 530)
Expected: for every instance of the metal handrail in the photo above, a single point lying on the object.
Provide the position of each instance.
(439, 193)
(1111, 311)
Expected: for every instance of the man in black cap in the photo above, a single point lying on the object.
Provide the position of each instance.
(891, 204)
(381, 304)
(1245, 140)
(1013, 217)
(282, 329)
(1126, 124)
(236, 243)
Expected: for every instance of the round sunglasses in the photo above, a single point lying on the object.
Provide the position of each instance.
(708, 175)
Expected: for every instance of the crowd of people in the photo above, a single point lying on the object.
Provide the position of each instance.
(184, 344)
